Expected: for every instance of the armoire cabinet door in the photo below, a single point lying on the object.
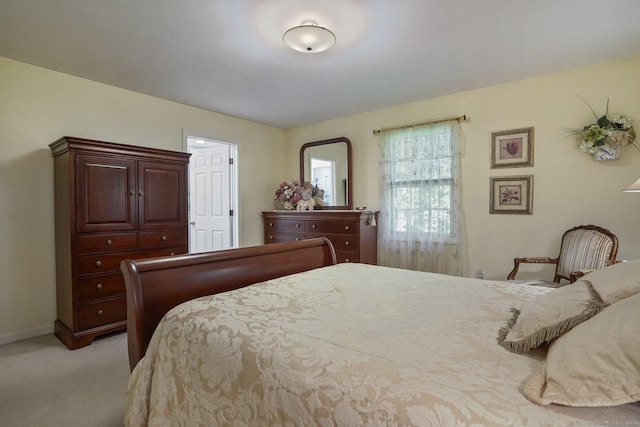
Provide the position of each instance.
(106, 198)
(162, 195)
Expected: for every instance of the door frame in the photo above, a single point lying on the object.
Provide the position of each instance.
(233, 179)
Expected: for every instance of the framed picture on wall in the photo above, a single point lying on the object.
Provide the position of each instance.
(511, 195)
(512, 148)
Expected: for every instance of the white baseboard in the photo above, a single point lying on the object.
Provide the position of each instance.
(29, 333)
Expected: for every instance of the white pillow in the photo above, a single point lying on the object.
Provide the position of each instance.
(597, 363)
(616, 282)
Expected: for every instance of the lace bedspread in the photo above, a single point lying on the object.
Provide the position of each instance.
(346, 345)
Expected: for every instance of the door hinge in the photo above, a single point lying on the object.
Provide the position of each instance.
(230, 160)
(231, 212)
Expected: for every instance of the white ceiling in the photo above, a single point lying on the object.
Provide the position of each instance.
(228, 56)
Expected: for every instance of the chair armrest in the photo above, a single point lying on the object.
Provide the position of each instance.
(578, 274)
(574, 276)
(529, 260)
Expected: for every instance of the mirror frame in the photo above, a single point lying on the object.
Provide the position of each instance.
(338, 140)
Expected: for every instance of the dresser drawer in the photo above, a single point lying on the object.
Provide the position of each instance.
(333, 227)
(106, 263)
(102, 286)
(163, 238)
(344, 256)
(102, 312)
(340, 242)
(113, 242)
(282, 237)
(284, 225)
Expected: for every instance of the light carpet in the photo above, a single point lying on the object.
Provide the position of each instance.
(43, 383)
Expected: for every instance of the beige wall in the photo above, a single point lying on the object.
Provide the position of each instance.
(37, 106)
(569, 188)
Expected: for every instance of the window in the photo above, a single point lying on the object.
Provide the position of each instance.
(420, 182)
(419, 195)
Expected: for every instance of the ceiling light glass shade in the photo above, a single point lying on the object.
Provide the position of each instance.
(633, 188)
(309, 38)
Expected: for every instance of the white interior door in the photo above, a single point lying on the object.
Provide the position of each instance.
(210, 198)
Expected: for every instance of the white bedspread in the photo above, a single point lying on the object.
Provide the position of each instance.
(346, 345)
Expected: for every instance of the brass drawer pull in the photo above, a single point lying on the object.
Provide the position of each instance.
(100, 313)
(109, 242)
(98, 263)
(163, 238)
(99, 286)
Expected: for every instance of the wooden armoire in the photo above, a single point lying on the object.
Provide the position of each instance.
(112, 202)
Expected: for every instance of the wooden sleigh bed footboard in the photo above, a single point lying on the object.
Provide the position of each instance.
(156, 285)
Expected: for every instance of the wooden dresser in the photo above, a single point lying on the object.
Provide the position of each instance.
(354, 234)
(113, 202)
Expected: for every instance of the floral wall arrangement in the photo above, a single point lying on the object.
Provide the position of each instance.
(288, 194)
(604, 138)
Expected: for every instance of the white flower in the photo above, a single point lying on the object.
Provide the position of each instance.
(588, 147)
(624, 121)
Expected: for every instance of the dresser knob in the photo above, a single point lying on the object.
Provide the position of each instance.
(346, 227)
(163, 238)
(270, 237)
(100, 313)
(172, 253)
(347, 260)
(314, 226)
(98, 263)
(297, 238)
(298, 225)
(270, 224)
(346, 243)
(140, 193)
(99, 286)
(131, 193)
(109, 242)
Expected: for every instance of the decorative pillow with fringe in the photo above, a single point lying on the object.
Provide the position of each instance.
(548, 316)
(596, 364)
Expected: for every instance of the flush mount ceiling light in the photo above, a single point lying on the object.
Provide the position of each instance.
(308, 37)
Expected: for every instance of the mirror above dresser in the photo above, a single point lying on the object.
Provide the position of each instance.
(327, 164)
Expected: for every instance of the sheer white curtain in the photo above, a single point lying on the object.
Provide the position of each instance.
(420, 214)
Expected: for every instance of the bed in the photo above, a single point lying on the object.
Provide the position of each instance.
(282, 335)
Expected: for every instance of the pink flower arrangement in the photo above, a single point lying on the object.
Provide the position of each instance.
(289, 193)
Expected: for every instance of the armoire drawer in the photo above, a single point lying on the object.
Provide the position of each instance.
(162, 238)
(102, 286)
(106, 263)
(112, 242)
(102, 312)
(333, 227)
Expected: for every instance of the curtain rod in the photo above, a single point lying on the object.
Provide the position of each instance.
(431, 122)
